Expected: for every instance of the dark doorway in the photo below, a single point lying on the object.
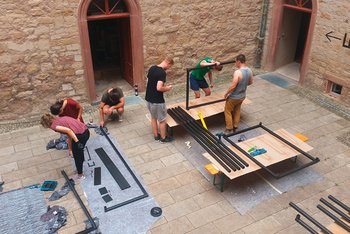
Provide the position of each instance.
(110, 51)
(303, 31)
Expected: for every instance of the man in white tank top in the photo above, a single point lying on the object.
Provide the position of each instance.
(236, 93)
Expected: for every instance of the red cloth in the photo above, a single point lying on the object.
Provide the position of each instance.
(71, 109)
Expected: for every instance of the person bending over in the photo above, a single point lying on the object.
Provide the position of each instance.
(197, 80)
(112, 103)
(77, 132)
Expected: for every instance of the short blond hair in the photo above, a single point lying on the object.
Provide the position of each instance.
(46, 120)
(169, 60)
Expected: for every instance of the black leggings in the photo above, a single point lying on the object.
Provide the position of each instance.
(78, 154)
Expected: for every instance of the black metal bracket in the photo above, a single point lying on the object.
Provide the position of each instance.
(144, 193)
(275, 175)
(188, 70)
(86, 212)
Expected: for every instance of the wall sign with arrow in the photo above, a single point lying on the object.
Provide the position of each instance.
(346, 42)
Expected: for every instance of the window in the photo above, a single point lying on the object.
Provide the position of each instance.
(336, 89)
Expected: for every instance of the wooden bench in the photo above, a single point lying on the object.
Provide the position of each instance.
(277, 151)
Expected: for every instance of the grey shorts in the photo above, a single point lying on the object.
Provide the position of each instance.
(157, 110)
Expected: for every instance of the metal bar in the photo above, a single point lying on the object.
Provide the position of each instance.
(115, 5)
(95, 4)
(187, 88)
(339, 203)
(200, 141)
(288, 143)
(210, 142)
(97, 175)
(145, 194)
(107, 7)
(224, 147)
(312, 220)
(221, 63)
(244, 130)
(305, 225)
(83, 207)
(336, 210)
(335, 218)
(112, 168)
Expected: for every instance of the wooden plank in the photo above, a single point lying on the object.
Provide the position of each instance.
(335, 228)
(277, 151)
(208, 110)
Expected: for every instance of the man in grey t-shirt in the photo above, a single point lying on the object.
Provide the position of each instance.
(236, 93)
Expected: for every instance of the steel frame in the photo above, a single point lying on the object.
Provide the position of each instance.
(144, 192)
(275, 175)
(81, 203)
(188, 70)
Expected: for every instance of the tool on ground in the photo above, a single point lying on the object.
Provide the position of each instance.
(188, 144)
(242, 138)
(219, 135)
(48, 185)
(252, 149)
(202, 120)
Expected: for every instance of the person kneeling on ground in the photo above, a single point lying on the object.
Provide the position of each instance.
(112, 101)
(197, 79)
(77, 132)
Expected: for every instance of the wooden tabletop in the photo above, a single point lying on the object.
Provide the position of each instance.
(207, 110)
(277, 151)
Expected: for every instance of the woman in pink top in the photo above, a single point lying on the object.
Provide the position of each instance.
(77, 132)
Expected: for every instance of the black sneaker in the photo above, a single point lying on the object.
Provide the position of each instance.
(157, 138)
(166, 140)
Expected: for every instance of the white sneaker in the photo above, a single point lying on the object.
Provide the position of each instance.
(120, 118)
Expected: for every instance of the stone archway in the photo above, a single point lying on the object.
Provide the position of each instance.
(137, 60)
(275, 34)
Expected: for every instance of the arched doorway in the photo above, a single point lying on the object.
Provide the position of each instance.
(111, 41)
(291, 32)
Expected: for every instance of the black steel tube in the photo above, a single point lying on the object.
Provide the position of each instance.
(305, 225)
(125, 202)
(336, 210)
(204, 104)
(207, 148)
(211, 137)
(245, 130)
(312, 220)
(335, 218)
(87, 150)
(252, 158)
(187, 89)
(229, 161)
(221, 63)
(86, 212)
(288, 143)
(339, 203)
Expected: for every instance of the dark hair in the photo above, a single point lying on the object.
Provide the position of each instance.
(114, 94)
(241, 58)
(56, 108)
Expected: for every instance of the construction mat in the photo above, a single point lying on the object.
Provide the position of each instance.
(20, 211)
(104, 192)
(276, 79)
(247, 191)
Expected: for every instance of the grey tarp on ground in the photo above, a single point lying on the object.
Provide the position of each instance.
(20, 211)
(132, 218)
(247, 191)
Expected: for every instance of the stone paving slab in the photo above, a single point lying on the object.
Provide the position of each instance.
(190, 203)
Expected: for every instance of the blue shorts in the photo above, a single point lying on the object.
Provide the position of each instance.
(196, 84)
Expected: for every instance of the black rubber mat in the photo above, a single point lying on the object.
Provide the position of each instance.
(97, 175)
(103, 190)
(116, 174)
(107, 198)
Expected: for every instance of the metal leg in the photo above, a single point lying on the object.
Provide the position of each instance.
(221, 183)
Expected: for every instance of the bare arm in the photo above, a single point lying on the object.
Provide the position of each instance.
(233, 83)
(162, 87)
(102, 104)
(67, 131)
(120, 104)
(80, 111)
(210, 75)
(250, 78)
(205, 63)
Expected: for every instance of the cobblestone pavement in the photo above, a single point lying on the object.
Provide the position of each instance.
(190, 203)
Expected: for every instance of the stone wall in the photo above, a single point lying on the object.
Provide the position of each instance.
(330, 58)
(192, 29)
(40, 57)
(40, 54)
